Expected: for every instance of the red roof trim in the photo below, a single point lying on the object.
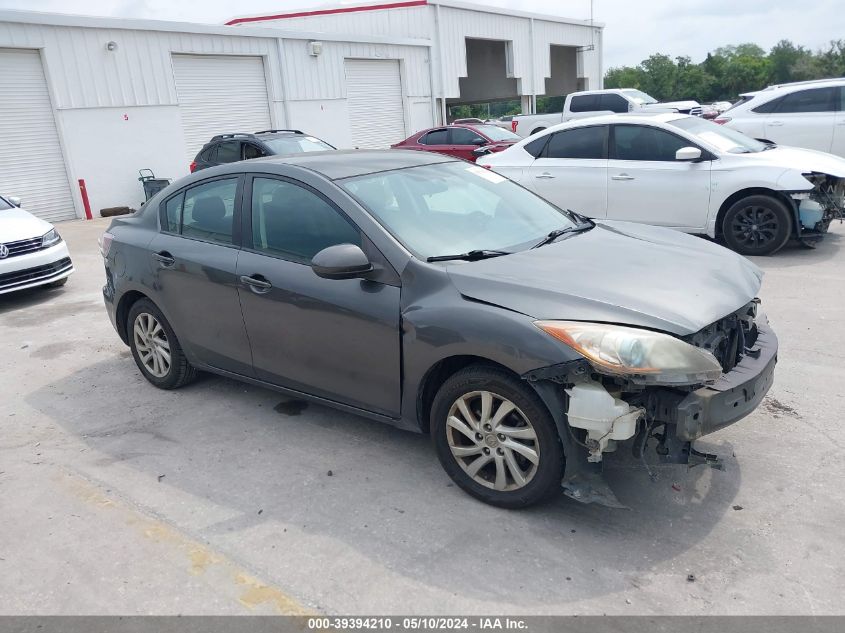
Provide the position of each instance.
(302, 14)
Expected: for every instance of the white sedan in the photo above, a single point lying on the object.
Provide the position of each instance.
(32, 253)
(684, 173)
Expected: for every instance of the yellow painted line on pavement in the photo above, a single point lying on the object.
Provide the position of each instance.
(199, 559)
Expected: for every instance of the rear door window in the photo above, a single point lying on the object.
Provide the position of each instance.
(209, 209)
(815, 100)
(436, 137)
(252, 151)
(536, 147)
(581, 142)
(173, 213)
(584, 103)
(228, 152)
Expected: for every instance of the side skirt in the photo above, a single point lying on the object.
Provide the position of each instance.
(293, 393)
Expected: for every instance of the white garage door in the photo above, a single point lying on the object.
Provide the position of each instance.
(376, 109)
(31, 163)
(218, 95)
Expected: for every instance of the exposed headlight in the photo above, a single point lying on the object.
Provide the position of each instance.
(50, 238)
(641, 355)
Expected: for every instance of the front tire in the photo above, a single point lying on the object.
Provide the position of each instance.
(155, 348)
(757, 225)
(495, 438)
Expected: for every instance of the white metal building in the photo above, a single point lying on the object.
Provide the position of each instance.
(97, 99)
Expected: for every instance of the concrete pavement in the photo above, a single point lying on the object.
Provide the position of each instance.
(118, 498)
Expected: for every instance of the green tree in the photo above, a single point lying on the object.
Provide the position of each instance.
(786, 59)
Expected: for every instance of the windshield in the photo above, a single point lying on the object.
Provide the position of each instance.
(4, 205)
(722, 138)
(451, 208)
(495, 133)
(640, 97)
(296, 144)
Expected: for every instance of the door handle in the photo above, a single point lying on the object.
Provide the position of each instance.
(622, 177)
(256, 283)
(164, 259)
(775, 123)
(545, 176)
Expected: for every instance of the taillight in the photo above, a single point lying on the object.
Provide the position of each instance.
(721, 120)
(514, 123)
(193, 166)
(105, 243)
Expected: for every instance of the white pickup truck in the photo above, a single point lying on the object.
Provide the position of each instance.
(595, 102)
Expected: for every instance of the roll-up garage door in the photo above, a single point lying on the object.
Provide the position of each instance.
(219, 95)
(376, 108)
(31, 163)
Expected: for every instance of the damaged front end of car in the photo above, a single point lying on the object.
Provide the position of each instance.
(817, 208)
(649, 387)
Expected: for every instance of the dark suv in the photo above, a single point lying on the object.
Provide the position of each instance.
(230, 148)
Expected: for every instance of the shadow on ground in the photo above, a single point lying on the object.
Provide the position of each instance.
(267, 458)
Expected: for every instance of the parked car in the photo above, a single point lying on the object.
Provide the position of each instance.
(461, 141)
(229, 148)
(807, 114)
(32, 253)
(587, 103)
(437, 296)
(685, 173)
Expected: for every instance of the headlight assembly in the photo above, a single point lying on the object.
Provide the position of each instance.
(641, 355)
(50, 238)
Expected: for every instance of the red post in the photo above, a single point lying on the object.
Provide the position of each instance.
(85, 202)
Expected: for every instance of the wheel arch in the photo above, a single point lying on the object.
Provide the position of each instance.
(439, 373)
(752, 191)
(124, 305)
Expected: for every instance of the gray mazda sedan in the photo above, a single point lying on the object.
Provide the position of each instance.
(437, 296)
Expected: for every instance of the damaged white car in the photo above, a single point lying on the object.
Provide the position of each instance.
(685, 173)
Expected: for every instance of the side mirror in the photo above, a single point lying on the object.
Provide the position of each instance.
(688, 154)
(341, 261)
(481, 151)
(480, 142)
(14, 201)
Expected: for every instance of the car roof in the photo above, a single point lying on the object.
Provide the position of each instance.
(629, 117)
(356, 162)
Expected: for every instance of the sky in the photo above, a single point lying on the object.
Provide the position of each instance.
(634, 29)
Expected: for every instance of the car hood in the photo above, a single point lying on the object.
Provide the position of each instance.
(17, 224)
(618, 272)
(805, 160)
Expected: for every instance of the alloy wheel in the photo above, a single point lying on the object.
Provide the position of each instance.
(492, 441)
(755, 226)
(152, 344)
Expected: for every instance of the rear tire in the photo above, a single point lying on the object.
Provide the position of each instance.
(757, 225)
(155, 348)
(495, 438)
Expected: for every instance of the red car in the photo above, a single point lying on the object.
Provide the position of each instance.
(461, 141)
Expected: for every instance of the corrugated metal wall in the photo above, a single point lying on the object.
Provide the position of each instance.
(414, 22)
(84, 74)
(458, 24)
(310, 78)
